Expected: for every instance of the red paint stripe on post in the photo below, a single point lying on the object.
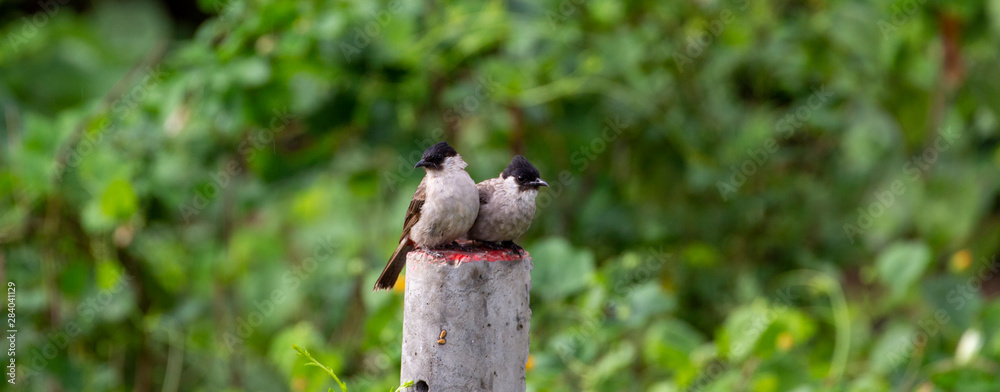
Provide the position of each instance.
(455, 257)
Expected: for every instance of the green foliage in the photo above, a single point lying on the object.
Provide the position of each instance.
(762, 196)
(313, 362)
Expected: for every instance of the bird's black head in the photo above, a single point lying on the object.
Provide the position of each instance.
(524, 173)
(435, 155)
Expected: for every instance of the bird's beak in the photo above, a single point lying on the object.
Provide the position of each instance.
(422, 163)
(539, 182)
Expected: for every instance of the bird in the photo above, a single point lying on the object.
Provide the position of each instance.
(507, 205)
(443, 209)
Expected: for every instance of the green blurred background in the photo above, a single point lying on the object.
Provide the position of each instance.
(746, 195)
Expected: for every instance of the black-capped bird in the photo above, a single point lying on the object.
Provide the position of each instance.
(507, 205)
(442, 210)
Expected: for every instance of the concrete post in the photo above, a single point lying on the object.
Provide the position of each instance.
(466, 321)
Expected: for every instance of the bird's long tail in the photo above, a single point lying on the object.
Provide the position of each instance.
(394, 267)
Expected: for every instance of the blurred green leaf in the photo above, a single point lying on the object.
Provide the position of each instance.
(559, 269)
(901, 264)
(119, 200)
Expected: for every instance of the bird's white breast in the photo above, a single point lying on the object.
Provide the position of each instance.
(450, 206)
(507, 214)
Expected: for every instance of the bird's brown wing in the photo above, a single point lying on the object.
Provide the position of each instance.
(387, 280)
(413, 212)
(485, 192)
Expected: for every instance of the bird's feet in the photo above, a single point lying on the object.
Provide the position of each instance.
(455, 245)
(435, 252)
(493, 245)
(512, 247)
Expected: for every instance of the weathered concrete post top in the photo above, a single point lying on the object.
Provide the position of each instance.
(465, 321)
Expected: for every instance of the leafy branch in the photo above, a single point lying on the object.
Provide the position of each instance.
(313, 362)
(343, 387)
